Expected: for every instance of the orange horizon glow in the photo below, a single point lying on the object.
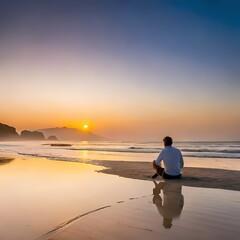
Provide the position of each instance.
(202, 125)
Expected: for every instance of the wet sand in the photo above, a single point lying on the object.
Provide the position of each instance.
(38, 194)
(171, 212)
(46, 199)
(192, 176)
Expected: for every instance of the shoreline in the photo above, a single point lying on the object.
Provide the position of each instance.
(191, 176)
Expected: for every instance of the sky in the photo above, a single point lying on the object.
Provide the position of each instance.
(136, 69)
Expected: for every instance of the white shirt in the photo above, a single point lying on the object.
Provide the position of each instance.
(172, 159)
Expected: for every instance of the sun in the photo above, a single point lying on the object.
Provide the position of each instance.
(85, 126)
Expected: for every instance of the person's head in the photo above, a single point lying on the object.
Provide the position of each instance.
(167, 222)
(167, 141)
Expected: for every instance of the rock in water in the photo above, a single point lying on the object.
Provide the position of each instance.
(52, 138)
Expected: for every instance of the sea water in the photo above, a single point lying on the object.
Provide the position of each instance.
(222, 155)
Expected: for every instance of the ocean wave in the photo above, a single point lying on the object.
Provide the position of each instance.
(73, 159)
(156, 150)
(211, 156)
(51, 157)
(127, 150)
(119, 151)
(211, 150)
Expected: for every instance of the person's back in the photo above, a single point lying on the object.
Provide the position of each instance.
(172, 159)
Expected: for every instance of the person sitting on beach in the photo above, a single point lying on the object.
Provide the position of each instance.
(172, 159)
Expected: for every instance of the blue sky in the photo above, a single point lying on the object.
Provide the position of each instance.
(144, 62)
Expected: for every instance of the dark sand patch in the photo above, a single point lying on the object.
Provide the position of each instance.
(192, 176)
(5, 160)
(60, 145)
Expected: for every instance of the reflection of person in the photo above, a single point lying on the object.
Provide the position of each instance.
(172, 204)
(172, 159)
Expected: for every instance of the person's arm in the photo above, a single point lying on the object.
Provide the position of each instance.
(181, 160)
(159, 159)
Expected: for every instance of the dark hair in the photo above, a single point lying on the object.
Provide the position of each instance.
(167, 141)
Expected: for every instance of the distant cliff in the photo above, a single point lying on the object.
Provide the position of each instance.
(28, 135)
(8, 132)
(70, 134)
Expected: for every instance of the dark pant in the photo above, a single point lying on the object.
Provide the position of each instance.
(161, 172)
(166, 176)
